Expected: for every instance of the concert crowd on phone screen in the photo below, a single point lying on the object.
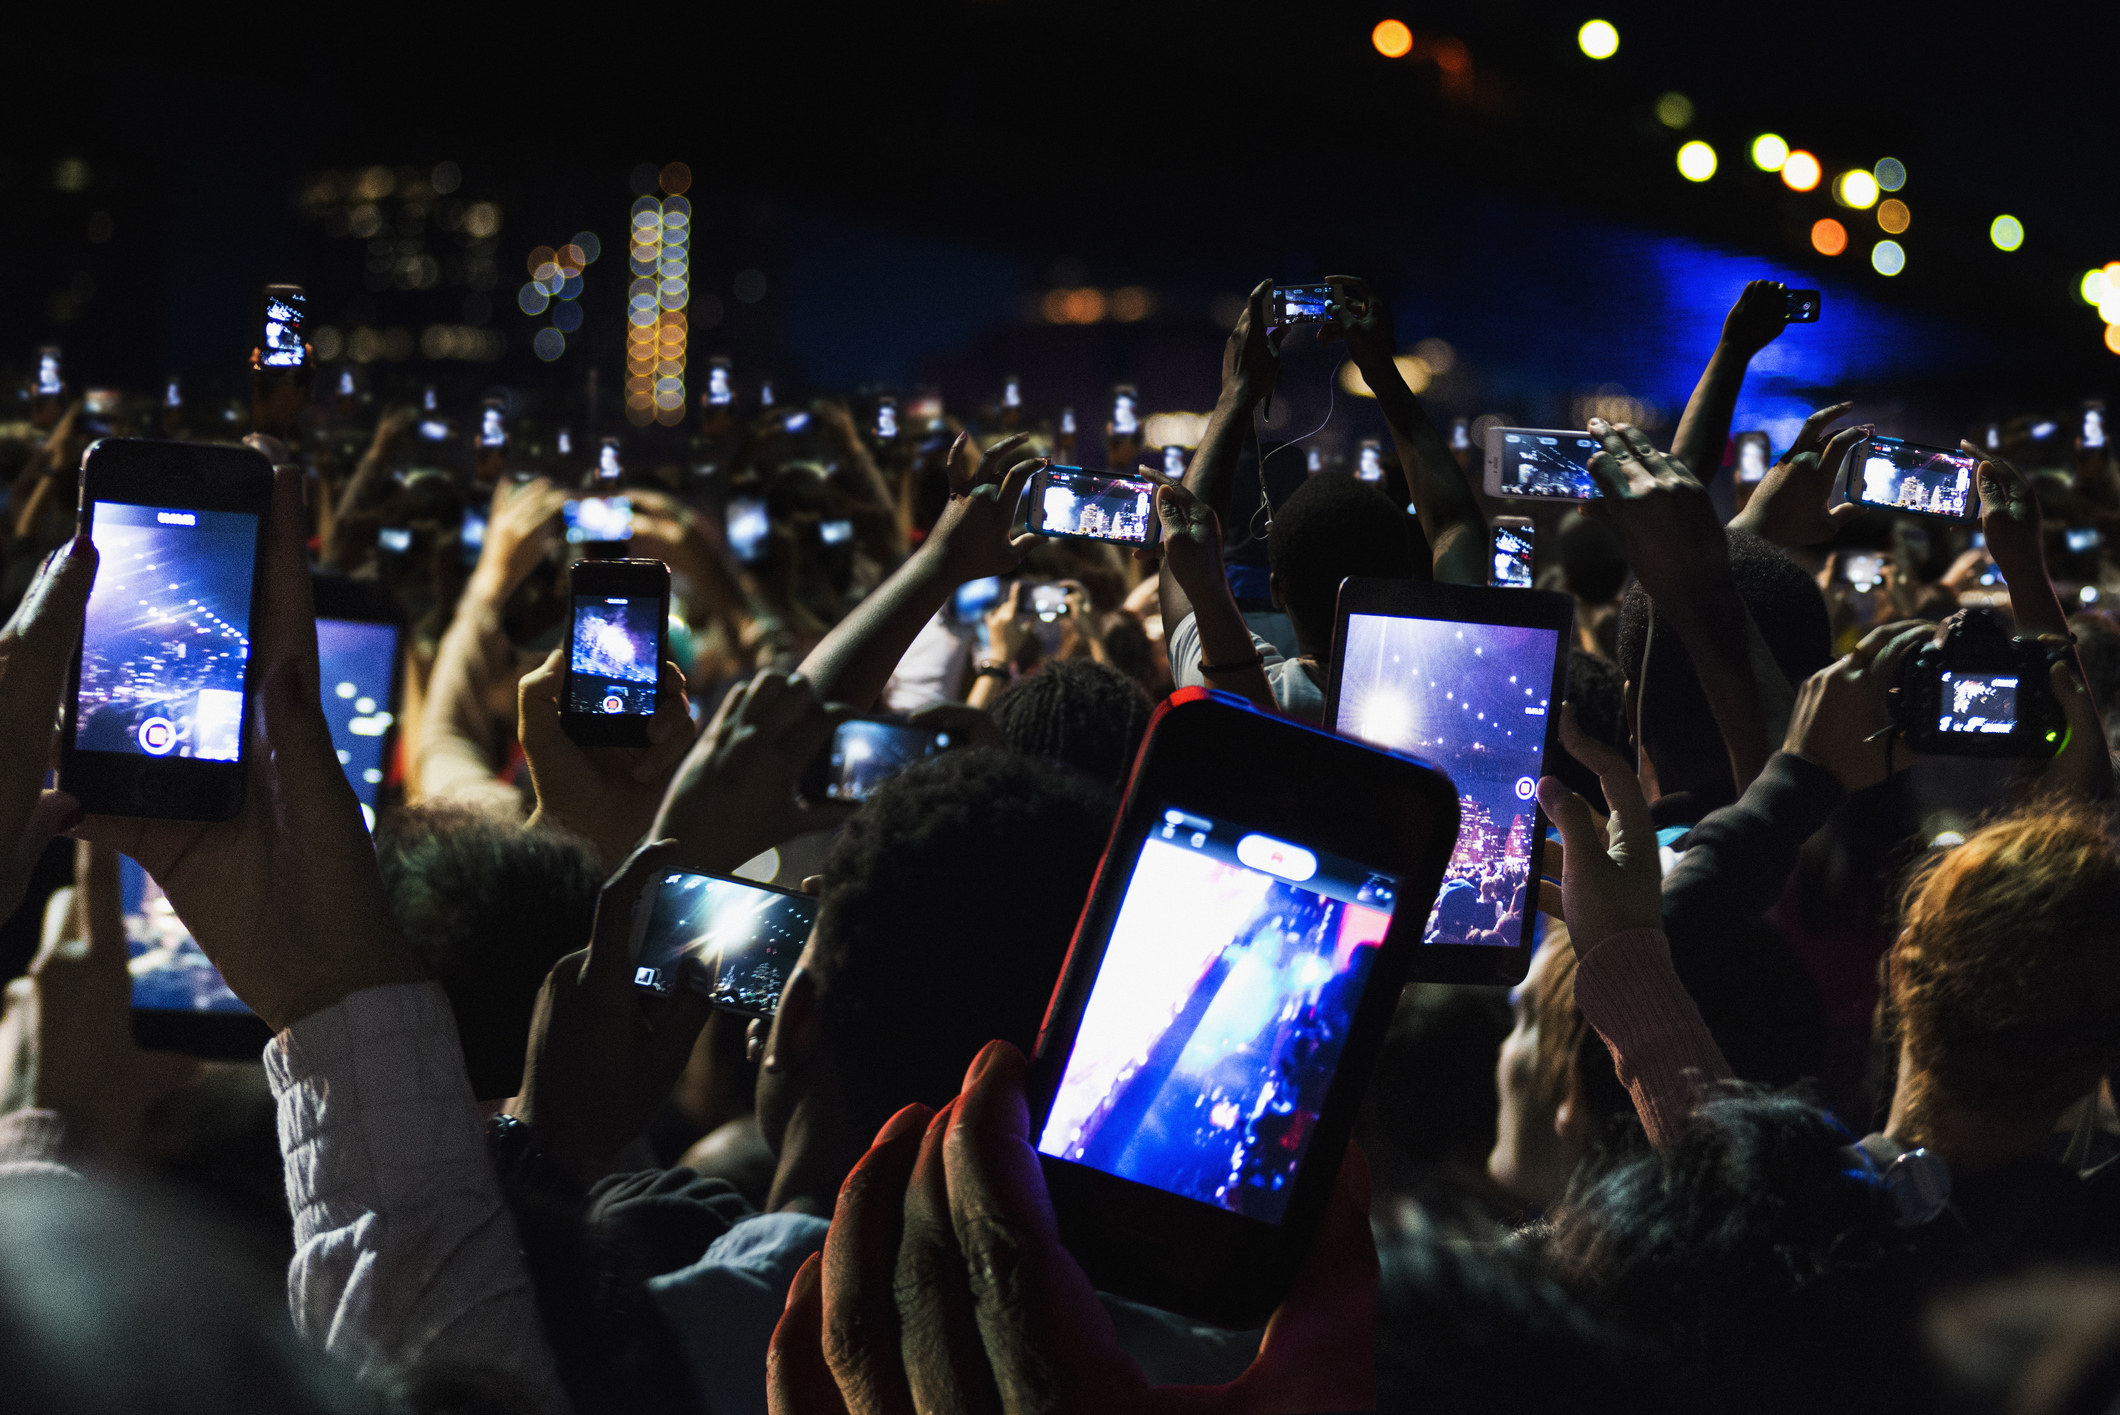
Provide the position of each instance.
(1763, 1002)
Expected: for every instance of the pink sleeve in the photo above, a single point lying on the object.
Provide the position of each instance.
(1661, 1048)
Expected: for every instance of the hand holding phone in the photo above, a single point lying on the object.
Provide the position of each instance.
(1073, 504)
(1897, 475)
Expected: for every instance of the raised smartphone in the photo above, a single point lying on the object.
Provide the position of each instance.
(721, 392)
(154, 721)
(1047, 602)
(1467, 678)
(280, 346)
(748, 528)
(1230, 982)
(1509, 565)
(1541, 464)
(1896, 475)
(1126, 411)
(1290, 305)
(1754, 455)
(1073, 504)
(471, 536)
(1801, 306)
(1369, 461)
(1861, 569)
(1012, 392)
(886, 418)
(492, 429)
(608, 469)
(615, 650)
(598, 520)
(2093, 424)
(969, 605)
(1174, 463)
(49, 384)
(866, 752)
(734, 940)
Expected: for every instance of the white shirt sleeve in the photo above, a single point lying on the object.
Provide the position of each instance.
(1183, 646)
(930, 670)
(405, 1252)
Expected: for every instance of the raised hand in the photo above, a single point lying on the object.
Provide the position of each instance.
(1843, 717)
(36, 657)
(1611, 880)
(606, 795)
(1363, 321)
(972, 536)
(1789, 507)
(1251, 359)
(1675, 542)
(519, 530)
(1758, 318)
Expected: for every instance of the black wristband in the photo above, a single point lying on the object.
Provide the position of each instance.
(1216, 670)
(991, 670)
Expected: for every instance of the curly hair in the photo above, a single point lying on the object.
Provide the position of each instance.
(1078, 712)
(2005, 977)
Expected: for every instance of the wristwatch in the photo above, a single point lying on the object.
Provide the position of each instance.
(512, 1145)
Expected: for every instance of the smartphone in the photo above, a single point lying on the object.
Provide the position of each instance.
(765, 391)
(360, 638)
(887, 418)
(1313, 461)
(747, 528)
(1511, 553)
(1460, 435)
(1289, 305)
(1752, 456)
(173, 393)
(1466, 678)
(471, 535)
(49, 384)
(1126, 411)
(1174, 463)
(430, 400)
(1862, 569)
(1067, 422)
(615, 650)
(97, 407)
(492, 431)
(2043, 429)
(2094, 424)
(564, 443)
(1048, 602)
(1073, 504)
(1802, 306)
(1898, 475)
(598, 519)
(1369, 461)
(394, 540)
(1012, 392)
(795, 422)
(607, 467)
(721, 391)
(154, 720)
(733, 939)
(434, 429)
(1229, 985)
(280, 345)
(974, 599)
(1541, 464)
(2082, 539)
(866, 752)
(346, 388)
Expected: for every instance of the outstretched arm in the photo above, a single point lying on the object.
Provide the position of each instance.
(1755, 321)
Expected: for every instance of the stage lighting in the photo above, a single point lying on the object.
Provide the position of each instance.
(1769, 151)
(1675, 110)
(1800, 171)
(1696, 161)
(1891, 174)
(1392, 39)
(2112, 337)
(1888, 258)
(2007, 232)
(1828, 237)
(1598, 39)
(2092, 287)
(1857, 189)
(1892, 215)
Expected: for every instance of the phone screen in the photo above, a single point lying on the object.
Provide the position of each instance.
(1299, 304)
(346, 383)
(719, 393)
(747, 527)
(887, 419)
(1012, 394)
(2083, 538)
(565, 443)
(1460, 434)
(1546, 464)
(49, 384)
(1862, 570)
(598, 518)
(394, 540)
(167, 633)
(1067, 422)
(1369, 466)
(357, 662)
(1174, 463)
(864, 755)
(434, 429)
(1907, 477)
(1048, 602)
(1216, 1021)
(1095, 506)
(835, 532)
(490, 431)
(1751, 457)
(974, 598)
(173, 394)
(749, 937)
(1978, 703)
(1512, 557)
(1472, 700)
(607, 468)
(765, 390)
(2094, 427)
(280, 344)
(1125, 420)
(613, 655)
(170, 972)
(471, 540)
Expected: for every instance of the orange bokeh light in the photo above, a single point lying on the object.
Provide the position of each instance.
(1801, 171)
(1828, 237)
(676, 178)
(2112, 337)
(1392, 39)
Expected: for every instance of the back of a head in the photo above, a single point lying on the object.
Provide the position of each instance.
(1678, 730)
(1077, 712)
(489, 907)
(2005, 978)
(948, 905)
(1593, 557)
(1334, 528)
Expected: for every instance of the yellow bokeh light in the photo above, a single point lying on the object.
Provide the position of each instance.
(1800, 171)
(1392, 39)
(1769, 151)
(1598, 39)
(1675, 110)
(1696, 161)
(2092, 287)
(1893, 216)
(2007, 232)
(1857, 189)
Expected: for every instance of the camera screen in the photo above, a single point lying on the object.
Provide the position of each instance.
(598, 518)
(1217, 1019)
(1547, 464)
(1174, 463)
(490, 431)
(1751, 459)
(718, 392)
(887, 420)
(280, 346)
(1471, 699)
(747, 527)
(1301, 304)
(864, 755)
(613, 661)
(1512, 557)
(167, 633)
(48, 382)
(1067, 422)
(974, 598)
(1981, 703)
(748, 937)
(356, 662)
(173, 395)
(1125, 421)
(1369, 465)
(607, 462)
(471, 540)
(1909, 478)
(1012, 394)
(396, 540)
(2094, 427)
(1072, 502)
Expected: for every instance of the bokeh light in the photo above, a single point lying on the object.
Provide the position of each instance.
(1888, 258)
(659, 256)
(2112, 337)
(2007, 232)
(1857, 189)
(1675, 110)
(549, 344)
(1893, 216)
(1696, 161)
(1392, 39)
(2092, 287)
(1598, 39)
(1769, 151)
(1828, 237)
(1800, 171)
(1891, 174)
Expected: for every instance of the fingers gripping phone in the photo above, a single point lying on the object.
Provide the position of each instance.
(1897, 475)
(730, 939)
(1510, 563)
(1201, 1062)
(866, 752)
(154, 724)
(1074, 504)
(280, 332)
(615, 651)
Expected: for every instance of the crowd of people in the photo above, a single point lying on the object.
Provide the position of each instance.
(1804, 1103)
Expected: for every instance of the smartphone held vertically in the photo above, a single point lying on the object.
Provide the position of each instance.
(615, 650)
(733, 940)
(1126, 411)
(865, 752)
(1203, 1057)
(1074, 504)
(280, 329)
(1541, 464)
(1509, 563)
(155, 718)
(1754, 454)
(1896, 475)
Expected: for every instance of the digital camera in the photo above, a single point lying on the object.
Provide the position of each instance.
(1981, 692)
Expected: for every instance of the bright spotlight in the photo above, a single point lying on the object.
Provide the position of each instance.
(1888, 258)
(1769, 151)
(1828, 237)
(1857, 189)
(1392, 39)
(1598, 39)
(1696, 161)
(2007, 232)
(1800, 171)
